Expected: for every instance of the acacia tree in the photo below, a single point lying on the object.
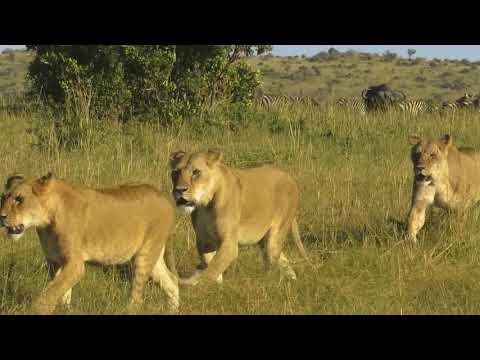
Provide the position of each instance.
(411, 52)
(135, 79)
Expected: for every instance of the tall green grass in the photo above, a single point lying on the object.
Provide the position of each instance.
(355, 181)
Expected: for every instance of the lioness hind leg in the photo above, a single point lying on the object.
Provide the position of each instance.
(272, 252)
(144, 264)
(286, 268)
(168, 282)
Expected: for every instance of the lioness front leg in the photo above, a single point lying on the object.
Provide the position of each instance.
(65, 280)
(422, 200)
(54, 270)
(227, 252)
(206, 258)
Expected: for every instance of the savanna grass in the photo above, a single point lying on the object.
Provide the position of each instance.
(355, 183)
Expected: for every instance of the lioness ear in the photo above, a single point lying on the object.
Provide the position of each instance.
(446, 141)
(214, 157)
(13, 180)
(414, 139)
(42, 184)
(175, 158)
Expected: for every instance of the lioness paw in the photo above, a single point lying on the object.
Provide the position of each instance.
(42, 308)
(190, 281)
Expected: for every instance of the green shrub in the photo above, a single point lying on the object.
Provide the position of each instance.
(167, 81)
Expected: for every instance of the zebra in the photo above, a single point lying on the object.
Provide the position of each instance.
(466, 101)
(269, 101)
(414, 107)
(353, 104)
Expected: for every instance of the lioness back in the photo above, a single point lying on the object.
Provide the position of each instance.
(464, 165)
(265, 191)
(124, 213)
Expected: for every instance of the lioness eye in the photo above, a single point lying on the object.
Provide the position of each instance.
(196, 172)
(19, 199)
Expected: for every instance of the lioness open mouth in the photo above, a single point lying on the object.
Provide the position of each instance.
(184, 202)
(15, 230)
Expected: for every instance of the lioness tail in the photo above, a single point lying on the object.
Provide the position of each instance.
(170, 257)
(297, 239)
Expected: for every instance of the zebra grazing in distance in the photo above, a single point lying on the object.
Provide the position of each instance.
(269, 101)
(353, 104)
(466, 101)
(414, 107)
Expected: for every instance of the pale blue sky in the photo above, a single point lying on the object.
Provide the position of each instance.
(470, 52)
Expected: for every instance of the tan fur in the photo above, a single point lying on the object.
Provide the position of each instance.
(77, 225)
(234, 207)
(444, 176)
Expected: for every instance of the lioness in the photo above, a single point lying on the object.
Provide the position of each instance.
(444, 175)
(77, 224)
(231, 207)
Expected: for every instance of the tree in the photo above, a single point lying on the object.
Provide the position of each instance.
(411, 52)
(134, 79)
(389, 56)
(333, 51)
(207, 73)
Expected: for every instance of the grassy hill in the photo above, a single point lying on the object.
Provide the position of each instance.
(13, 69)
(326, 76)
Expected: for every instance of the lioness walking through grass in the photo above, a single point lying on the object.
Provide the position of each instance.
(233, 207)
(77, 224)
(444, 176)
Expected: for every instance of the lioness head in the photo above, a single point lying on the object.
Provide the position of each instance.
(429, 158)
(194, 178)
(22, 204)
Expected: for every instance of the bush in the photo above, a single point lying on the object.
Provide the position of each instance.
(366, 56)
(389, 56)
(316, 70)
(457, 84)
(416, 61)
(322, 56)
(166, 81)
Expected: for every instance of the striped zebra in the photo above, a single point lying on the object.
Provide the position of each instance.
(269, 101)
(466, 101)
(356, 105)
(414, 107)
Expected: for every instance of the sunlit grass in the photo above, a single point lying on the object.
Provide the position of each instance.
(355, 180)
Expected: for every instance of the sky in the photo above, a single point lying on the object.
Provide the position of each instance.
(470, 52)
